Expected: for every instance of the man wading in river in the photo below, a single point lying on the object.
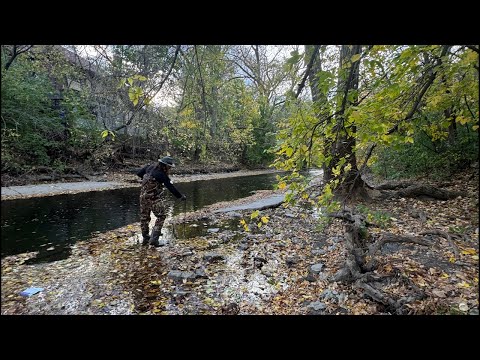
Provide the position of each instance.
(153, 197)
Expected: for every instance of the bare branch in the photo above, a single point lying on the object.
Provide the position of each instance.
(16, 51)
(307, 71)
(157, 89)
(476, 49)
(424, 89)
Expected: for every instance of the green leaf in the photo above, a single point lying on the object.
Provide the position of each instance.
(356, 57)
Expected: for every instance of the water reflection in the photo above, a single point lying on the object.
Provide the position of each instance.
(50, 225)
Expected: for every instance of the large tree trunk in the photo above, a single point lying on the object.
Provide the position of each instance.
(317, 97)
(343, 145)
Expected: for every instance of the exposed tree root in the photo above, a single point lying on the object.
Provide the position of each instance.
(378, 296)
(430, 191)
(346, 214)
(394, 185)
(413, 191)
(360, 261)
(446, 236)
(390, 238)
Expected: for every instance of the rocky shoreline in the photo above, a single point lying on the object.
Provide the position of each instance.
(285, 266)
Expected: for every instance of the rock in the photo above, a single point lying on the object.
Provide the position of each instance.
(292, 260)
(317, 268)
(243, 246)
(258, 262)
(200, 273)
(163, 242)
(318, 252)
(267, 271)
(230, 309)
(328, 294)
(316, 308)
(336, 239)
(213, 230)
(234, 214)
(179, 276)
(185, 253)
(473, 311)
(213, 257)
(181, 293)
(290, 215)
(323, 276)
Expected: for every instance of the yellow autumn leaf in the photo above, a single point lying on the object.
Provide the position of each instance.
(282, 185)
(254, 214)
(463, 284)
(444, 276)
(469, 251)
(209, 301)
(452, 259)
(264, 219)
(243, 222)
(259, 224)
(462, 119)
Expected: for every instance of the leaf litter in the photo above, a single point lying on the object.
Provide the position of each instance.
(265, 271)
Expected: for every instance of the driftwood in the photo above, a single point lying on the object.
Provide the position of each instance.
(430, 191)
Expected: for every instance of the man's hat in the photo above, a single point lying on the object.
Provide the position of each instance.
(167, 160)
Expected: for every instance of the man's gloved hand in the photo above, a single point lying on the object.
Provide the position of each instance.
(183, 198)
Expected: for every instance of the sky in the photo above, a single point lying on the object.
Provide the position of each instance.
(166, 96)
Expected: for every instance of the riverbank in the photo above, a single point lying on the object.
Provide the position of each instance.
(283, 266)
(124, 173)
(123, 181)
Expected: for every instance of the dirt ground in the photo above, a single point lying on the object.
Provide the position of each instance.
(283, 264)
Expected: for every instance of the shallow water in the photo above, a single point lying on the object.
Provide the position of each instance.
(50, 225)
